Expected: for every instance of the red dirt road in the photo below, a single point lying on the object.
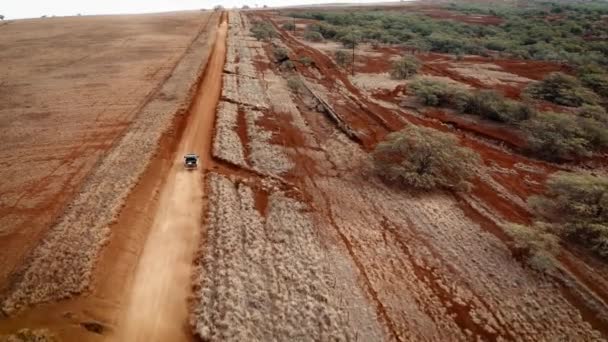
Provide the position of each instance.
(157, 304)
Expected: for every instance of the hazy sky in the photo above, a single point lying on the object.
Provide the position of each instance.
(16, 9)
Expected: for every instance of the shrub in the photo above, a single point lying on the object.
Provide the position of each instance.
(492, 105)
(305, 60)
(595, 132)
(313, 36)
(435, 93)
(263, 30)
(343, 58)
(576, 207)
(326, 31)
(289, 26)
(595, 79)
(535, 243)
(295, 84)
(425, 158)
(350, 39)
(597, 113)
(287, 65)
(280, 54)
(406, 67)
(555, 136)
(562, 89)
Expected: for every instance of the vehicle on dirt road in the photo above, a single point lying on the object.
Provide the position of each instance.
(191, 161)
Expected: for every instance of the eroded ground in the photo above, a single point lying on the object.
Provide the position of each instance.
(299, 229)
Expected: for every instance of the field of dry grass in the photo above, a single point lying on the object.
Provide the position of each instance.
(412, 266)
(84, 104)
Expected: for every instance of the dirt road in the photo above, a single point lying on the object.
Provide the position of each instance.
(156, 308)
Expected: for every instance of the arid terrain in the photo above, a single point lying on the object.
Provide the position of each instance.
(284, 232)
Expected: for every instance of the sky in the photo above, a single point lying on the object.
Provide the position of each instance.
(18, 9)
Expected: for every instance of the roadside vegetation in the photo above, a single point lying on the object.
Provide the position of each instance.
(425, 158)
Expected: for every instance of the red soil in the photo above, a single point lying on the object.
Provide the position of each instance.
(480, 127)
(437, 64)
(520, 176)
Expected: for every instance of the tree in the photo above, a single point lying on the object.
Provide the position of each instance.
(351, 39)
(596, 79)
(245, 7)
(263, 30)
(342, 58)
(425, 158)
(280, 54)
(576, 207)
(406, 67)
(537, 244)
(1, 17)
(436, 93)
(492, 105)
(559, 136)
(218, 8)
(562, 89)
(597, 113)
(313, 36)
(289, 26)
(555, 136)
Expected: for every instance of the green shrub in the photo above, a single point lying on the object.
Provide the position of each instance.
(576, 207)
(280, 54)
(556, 136)
(305, 60)
(435, 93)
(596, 79)
(313, 36)
(263, 30)
(326, 31)
(425, 158)
(295, 84)
(535, 243)
(559, 136)
(595, 132)
(343, 58)
(492, 105)
(350, 38)
(406, 67)
(289, 26)
(562, 89)
(597, 113)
